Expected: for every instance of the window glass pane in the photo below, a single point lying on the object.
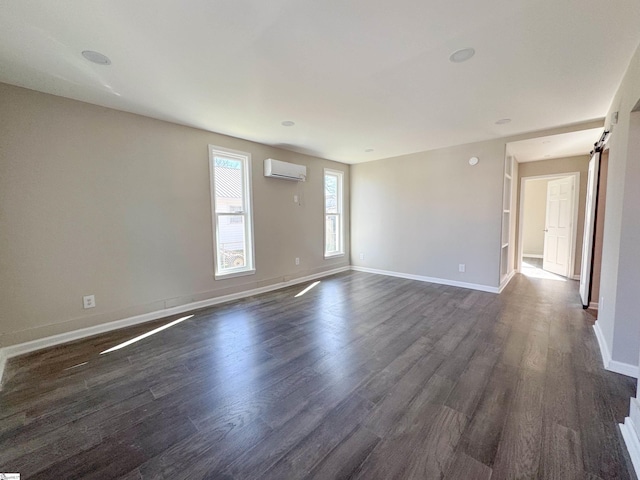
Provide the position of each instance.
(331, 193)
(228, 179)
(332, 232)
(231, 242)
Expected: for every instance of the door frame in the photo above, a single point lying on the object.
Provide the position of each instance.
(574, 222)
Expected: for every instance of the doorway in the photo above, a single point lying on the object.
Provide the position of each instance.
(548, 225)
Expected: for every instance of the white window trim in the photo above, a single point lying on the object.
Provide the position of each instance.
(244, 157)
(340, 175)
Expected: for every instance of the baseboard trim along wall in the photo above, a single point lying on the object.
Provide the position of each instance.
(420, 278)
(533, 255)
(593, 305)
(609, 364)
(22, 348)
(506, 281)
(631, 441)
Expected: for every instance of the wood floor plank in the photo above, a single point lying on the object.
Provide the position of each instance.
(518, 453)
(484, 431)
(132, 475)
(42, 452)
(561, 453)
(390, 409)
(365, 376)
(425, 452)
(535, 351)
(330, 387)
(433, 393)
(344, 460)
(467, 468)
(473, 380)
(560, 402)
(206, 453)
(600, 438)
(283, 438)
(335, 427)
(119, 454)
(382, 382)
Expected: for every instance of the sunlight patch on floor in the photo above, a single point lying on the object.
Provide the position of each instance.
(307, 289)
(145, 335)
(532, 271)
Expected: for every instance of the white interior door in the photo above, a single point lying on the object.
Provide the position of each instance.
(589, 225)
(558, 226)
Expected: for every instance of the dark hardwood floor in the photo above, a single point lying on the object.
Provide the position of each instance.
(365, 377)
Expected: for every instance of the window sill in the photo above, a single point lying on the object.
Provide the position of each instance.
(223, 276)
(333, 255)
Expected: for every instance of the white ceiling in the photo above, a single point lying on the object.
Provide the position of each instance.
(352, 75)
(555, 146)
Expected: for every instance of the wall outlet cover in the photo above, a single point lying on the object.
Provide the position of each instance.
(88, 301)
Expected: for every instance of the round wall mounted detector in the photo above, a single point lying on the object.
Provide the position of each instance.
(96, 57)
(462, 55)
(474, 160)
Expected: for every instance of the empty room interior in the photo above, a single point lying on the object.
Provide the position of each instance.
(312, 240)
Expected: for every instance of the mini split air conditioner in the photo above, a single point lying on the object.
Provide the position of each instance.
(286, 171)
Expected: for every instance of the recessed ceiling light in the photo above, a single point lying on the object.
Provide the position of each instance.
(502, 121)
(462, 55)
(96, 57)
(288, 123)
(369, 150)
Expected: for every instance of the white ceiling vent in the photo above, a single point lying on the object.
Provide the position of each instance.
(286, 171)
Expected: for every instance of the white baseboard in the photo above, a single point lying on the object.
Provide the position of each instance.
(575, 277)
(506, 281)
(532, 255)
(632, 442)
(593, 305)
(610, 364)
(3, 362)
(420, 278)
(623, 368)
(27, 347)
(604, 350)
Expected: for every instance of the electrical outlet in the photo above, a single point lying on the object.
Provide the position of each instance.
(362, 256)
(462, 268)
(295, 199)
(297, 261)
(88, 301)
(601, 305)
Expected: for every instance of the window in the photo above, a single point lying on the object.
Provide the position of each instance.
(231, 205)
(235, 218)
(333, 224)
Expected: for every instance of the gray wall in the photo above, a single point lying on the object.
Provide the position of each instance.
(618, 316)
(559, 166)
(97, 201)
(425, 213)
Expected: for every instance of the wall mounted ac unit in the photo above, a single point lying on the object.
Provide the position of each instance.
(286, 171)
